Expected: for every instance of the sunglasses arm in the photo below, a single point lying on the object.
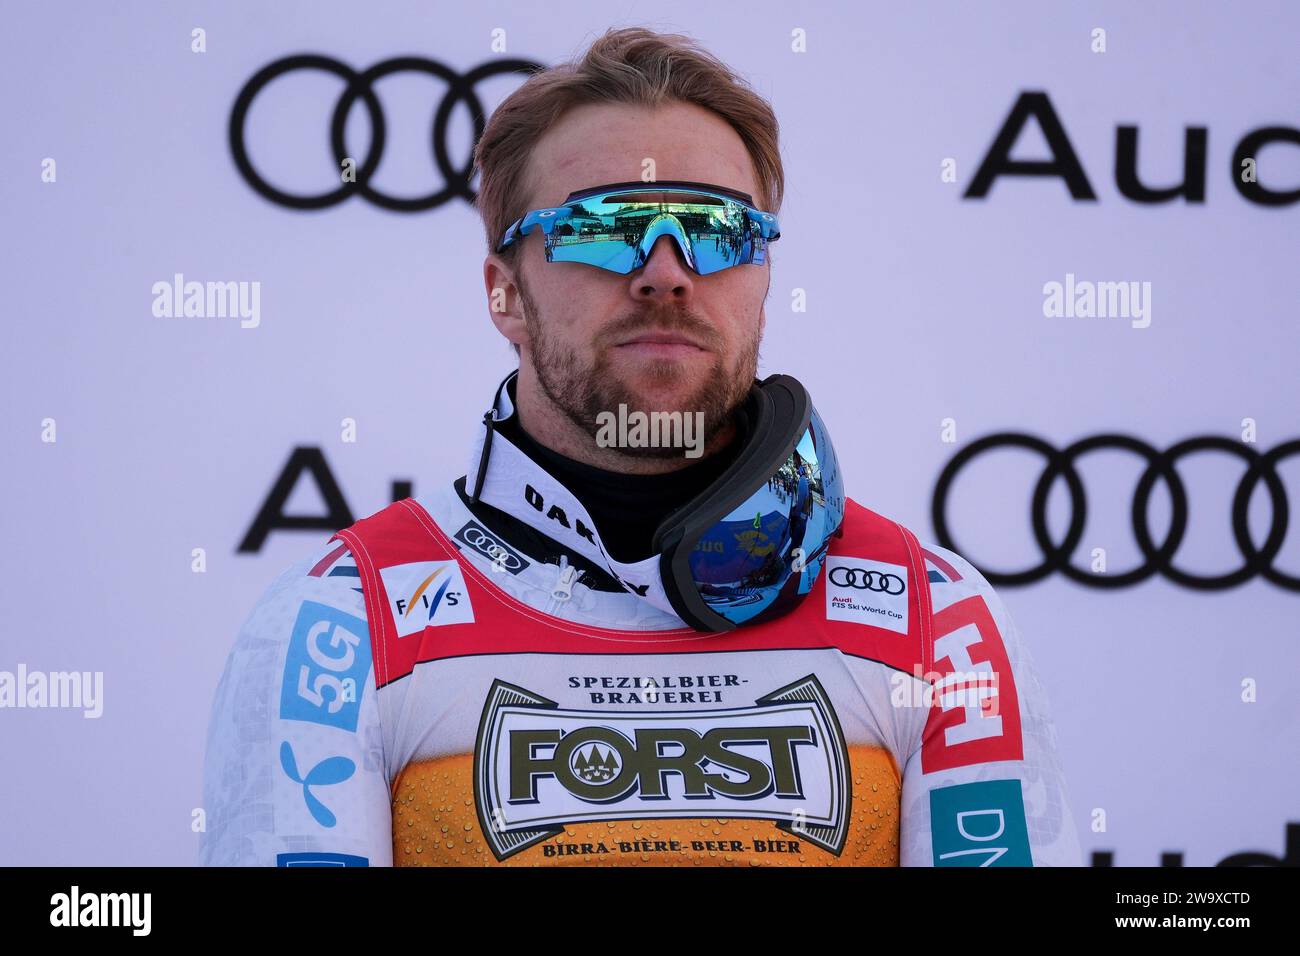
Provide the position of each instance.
(546, 218)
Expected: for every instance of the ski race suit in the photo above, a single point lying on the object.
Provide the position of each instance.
(435, 686)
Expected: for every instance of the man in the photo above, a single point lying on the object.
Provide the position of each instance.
(591, 649)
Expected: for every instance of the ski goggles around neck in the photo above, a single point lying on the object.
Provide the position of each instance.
(750, 547)
(615, 226)
(746, 550)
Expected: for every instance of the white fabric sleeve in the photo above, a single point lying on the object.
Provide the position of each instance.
(983, 784)
(295, 772)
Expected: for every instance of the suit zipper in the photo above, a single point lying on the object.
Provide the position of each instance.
(563, 589)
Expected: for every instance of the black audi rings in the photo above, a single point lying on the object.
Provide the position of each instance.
(864, 580)
(1160, 465)
(360, 86)
(488, 547)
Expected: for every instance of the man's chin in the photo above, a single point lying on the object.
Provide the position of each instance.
(684, 397)
(664, 381)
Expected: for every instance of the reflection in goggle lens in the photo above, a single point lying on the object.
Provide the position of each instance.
(617, 232)
(768, 551)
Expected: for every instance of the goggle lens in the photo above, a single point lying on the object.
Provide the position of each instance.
(767, 553)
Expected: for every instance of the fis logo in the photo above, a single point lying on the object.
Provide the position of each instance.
(426, 594)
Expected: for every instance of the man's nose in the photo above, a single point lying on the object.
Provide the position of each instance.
(665, 274)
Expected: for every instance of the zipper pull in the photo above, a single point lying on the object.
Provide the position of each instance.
(563, 589)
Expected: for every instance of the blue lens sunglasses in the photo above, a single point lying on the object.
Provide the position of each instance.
(614, 227)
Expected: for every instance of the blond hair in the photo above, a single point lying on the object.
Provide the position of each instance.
(630, 65)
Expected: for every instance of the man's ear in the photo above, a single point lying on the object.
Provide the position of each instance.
(505, 305)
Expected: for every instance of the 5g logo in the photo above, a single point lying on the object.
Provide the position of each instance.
(325, 667)
(341, 690)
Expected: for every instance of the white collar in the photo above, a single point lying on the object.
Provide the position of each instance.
(515, 484)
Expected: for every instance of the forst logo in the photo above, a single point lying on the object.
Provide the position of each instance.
(644, 762)
(1064, 162)
(538, 767)
(594, 765)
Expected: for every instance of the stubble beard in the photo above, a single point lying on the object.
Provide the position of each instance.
(583, 390)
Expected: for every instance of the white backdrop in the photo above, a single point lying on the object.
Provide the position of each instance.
(923, 307)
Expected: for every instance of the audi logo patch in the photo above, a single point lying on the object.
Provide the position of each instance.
(866, 592)
(867, 580)
(491, 547)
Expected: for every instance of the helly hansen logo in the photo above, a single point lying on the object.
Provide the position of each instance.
(538, 767)
(972, 724)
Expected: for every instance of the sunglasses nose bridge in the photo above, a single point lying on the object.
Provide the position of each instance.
(666, 224)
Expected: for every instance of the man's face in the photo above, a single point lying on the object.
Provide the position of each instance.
(662, 338)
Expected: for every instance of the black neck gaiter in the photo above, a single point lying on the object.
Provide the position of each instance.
(626, 508)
